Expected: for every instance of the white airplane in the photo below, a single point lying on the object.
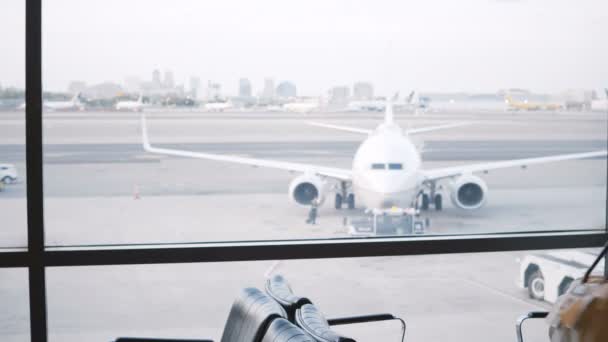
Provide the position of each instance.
(411, 102)
(218, 106)
(386, 171)
(301, 107)
(135, 106)
(73, 104)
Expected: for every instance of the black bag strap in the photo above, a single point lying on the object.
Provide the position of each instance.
(597, 261)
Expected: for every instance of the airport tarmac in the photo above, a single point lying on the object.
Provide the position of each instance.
(102, 188)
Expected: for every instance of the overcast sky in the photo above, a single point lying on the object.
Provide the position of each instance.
(432, 45)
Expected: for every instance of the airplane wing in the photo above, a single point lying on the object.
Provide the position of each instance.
(341, 128)
(369, 131)
(435, 128)
(435, 174)
(340, 174)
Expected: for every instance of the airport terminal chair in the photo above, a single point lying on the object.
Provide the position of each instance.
(249, 318)
(279, 289)
(281, 330)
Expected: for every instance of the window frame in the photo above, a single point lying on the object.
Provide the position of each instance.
(37, 257)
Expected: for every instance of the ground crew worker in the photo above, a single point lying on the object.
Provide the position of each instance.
(312, 214)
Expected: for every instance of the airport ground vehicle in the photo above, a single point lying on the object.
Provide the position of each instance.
(394, 221)
(547, 276)
(8, 173)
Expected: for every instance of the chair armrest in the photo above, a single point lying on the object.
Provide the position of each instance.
(145, 339)
(522, 319)
(368, 319)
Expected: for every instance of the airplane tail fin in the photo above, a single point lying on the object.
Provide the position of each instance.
(413, 99)
(606, 91)
(395, 97)
(141, 98)
(76, 97)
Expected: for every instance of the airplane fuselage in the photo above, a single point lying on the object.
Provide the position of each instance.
(386, 169)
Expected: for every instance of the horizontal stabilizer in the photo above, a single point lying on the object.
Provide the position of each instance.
(341, 128)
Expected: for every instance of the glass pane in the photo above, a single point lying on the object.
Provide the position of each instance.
(14, 311)
(223, 90)
(472, 297)
(13, 219)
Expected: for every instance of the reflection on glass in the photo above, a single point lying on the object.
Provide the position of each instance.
(12, 126)
(151, 134)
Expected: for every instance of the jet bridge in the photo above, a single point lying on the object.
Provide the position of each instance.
(388, 222)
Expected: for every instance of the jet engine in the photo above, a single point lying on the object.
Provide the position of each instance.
(468, 192)
(305, 188)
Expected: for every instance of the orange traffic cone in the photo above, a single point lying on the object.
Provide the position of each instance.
(136, 192)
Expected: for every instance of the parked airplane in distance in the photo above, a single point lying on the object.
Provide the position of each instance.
(412, 102)
(301, 106)
(386, 171)
(73, 104)
(130, 105)
(218, 106)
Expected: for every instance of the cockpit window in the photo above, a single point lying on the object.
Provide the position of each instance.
(395, 166)
(378, 166)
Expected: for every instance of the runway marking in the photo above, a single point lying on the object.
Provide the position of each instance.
(504, 294)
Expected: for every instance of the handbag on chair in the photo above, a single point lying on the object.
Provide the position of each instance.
(581, 313)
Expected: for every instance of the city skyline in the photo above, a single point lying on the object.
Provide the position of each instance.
(476, 46)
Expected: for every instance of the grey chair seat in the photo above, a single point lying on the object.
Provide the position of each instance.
(281, 330)
(278, 288)
(310, 319)
(250, 316)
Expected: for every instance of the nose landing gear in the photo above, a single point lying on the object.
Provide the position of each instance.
(432, 197)
(344, 196)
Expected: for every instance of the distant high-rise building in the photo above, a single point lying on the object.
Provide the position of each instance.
(156, 78)
(363, 91)
(286, 89)
(268, 92)
(244, 87)
(168, 81)
(339, 95)
(214, 91)
(195, 85)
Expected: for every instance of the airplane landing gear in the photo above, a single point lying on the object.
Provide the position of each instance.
(424, 201)
(344, 197)
(350, 201)
(438, 202)
(431, 198)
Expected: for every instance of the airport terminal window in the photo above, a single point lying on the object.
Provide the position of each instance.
(13, 233)
(473, 297)
(97, 171)
(171, 137)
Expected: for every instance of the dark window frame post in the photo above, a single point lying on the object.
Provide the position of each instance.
(33, 138)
